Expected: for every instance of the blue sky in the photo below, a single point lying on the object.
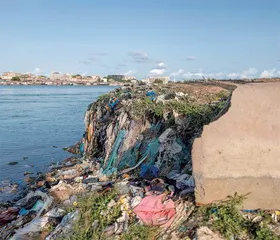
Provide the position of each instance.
(177, 38)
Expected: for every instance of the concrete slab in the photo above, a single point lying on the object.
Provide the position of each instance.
(240, 152)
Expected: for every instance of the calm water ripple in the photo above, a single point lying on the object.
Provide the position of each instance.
(33, 119)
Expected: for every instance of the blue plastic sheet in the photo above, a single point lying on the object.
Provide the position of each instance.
(114, 154)
(152, 95)
(113, 104)
(36, 207)
(82, 148)
(149, 171)
(155, 127)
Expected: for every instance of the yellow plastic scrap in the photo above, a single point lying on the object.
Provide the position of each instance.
(75, 204)
(124, 203)
(277, 213)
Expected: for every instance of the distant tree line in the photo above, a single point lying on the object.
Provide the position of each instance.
(15, 79)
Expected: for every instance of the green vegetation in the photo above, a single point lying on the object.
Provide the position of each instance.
(221, 95)
(199, 114)
(95, 216)
(118, 93)
(158, 81)
(264, 233)
(139, 232)
(15, 79)
(116, 78)
(104, 97)
(77, 76)
(226, 218)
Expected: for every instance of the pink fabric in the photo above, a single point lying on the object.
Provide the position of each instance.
(153, 212)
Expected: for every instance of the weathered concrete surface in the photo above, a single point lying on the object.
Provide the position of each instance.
(240, 152)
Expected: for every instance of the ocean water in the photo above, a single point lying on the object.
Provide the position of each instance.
(33, 119)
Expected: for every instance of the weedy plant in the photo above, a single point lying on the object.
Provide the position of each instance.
(95, 216)
(139, 232)
(226, 218)
(104, 97)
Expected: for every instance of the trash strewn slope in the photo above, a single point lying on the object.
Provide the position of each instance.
(133, 177)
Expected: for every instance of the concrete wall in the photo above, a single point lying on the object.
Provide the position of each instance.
(240, 152)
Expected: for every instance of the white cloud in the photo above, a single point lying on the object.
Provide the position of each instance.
(130, 72)
(139, 56)
(200, 74)
(178, 73)
(159, 70)
(37, 71)
(194, 75)
(269, 73)
(249, 73)
(233, 75)
(191, 58)
(161, 65)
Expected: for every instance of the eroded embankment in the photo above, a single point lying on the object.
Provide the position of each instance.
(155, 126)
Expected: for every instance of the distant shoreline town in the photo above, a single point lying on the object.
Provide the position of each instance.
(59, 79)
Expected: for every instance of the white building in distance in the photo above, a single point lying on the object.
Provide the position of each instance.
(164, 80)
(10, 75)
(55, 76)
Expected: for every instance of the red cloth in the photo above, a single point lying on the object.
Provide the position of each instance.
(8, 216)
(153, 212)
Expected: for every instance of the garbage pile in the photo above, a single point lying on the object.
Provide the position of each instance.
(150, 128)
(137, 143)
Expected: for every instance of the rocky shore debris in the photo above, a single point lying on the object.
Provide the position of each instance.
(131, 176)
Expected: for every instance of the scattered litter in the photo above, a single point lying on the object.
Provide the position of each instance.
(153, 212)
(204, 233)
(36, 225)
(65, 227)
(8, 216)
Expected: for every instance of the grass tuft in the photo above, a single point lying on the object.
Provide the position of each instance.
(140, 232)
(95, 215)
(226, 218)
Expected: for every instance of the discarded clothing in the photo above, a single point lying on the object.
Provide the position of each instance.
(114, 153)
(8, 216)
(183, 181)
(149, 171)
(153, 212)
(82, 146)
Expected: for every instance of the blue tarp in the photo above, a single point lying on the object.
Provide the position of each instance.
(113, 104)
(148, 170)
(114, 154)
(152, 95)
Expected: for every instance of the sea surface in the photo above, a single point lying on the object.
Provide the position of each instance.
(36, 122)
